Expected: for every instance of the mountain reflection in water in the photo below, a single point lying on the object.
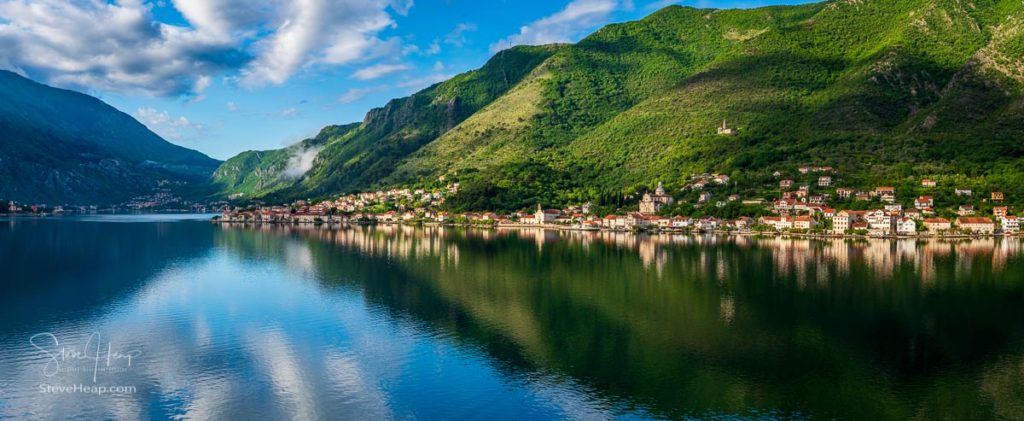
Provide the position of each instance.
(393, 322)
(695, 325)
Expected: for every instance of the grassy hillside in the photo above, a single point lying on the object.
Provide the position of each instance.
(259, 173)
(881, 90)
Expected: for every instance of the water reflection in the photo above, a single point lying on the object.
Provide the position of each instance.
(806, 260)
(695, 325)
(397, 322)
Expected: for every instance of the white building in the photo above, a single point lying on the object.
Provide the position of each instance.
(725, 130)
(545, 216)
(804, 222)
(880, 222)
(778, 223)
(906, 226)
(895, 207)
(680, 222)
(1011, 224)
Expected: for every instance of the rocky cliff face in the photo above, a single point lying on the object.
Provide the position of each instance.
(406, 112)
(452, 114)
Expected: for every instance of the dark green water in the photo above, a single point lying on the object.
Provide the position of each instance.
(379, 323)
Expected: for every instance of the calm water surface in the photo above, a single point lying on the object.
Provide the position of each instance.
(180, 318)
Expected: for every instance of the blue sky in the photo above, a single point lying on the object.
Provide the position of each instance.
(224, 76)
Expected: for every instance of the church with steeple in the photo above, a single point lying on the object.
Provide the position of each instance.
(652, 204)
(725, 130)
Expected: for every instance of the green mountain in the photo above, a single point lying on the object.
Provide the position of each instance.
(357, 156)
(66, 147)
(259, 173)
(882, 90)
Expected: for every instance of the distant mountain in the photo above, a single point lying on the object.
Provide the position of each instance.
(260, 173)
(61, 146)
(882, 90)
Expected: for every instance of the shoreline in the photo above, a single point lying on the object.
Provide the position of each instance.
(554, 227)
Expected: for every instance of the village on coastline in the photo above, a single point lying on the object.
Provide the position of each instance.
(160, 199)
(799, 210)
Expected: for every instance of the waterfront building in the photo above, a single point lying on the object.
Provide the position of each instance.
(906, 226)
(976, 225)
(1010, 224)
(804, 222)
(936, 225)
(545, 216)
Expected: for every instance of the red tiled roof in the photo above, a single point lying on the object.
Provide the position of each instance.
(973, 220)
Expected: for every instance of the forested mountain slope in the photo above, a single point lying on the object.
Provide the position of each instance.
(882, 90)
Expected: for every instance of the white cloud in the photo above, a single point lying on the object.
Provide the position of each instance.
(222, 19)
(353, 49)
(577, 17)
(301, 162)
(401, 7)
(106, 46)
(380, 70)
(320, 31)
(289, 112)
(433, 49)
(417, 84)
(172, 128)
(231, 106)
(120, 47)
(355, 94)
(200, 85)
(457, 36)
(202, 82)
